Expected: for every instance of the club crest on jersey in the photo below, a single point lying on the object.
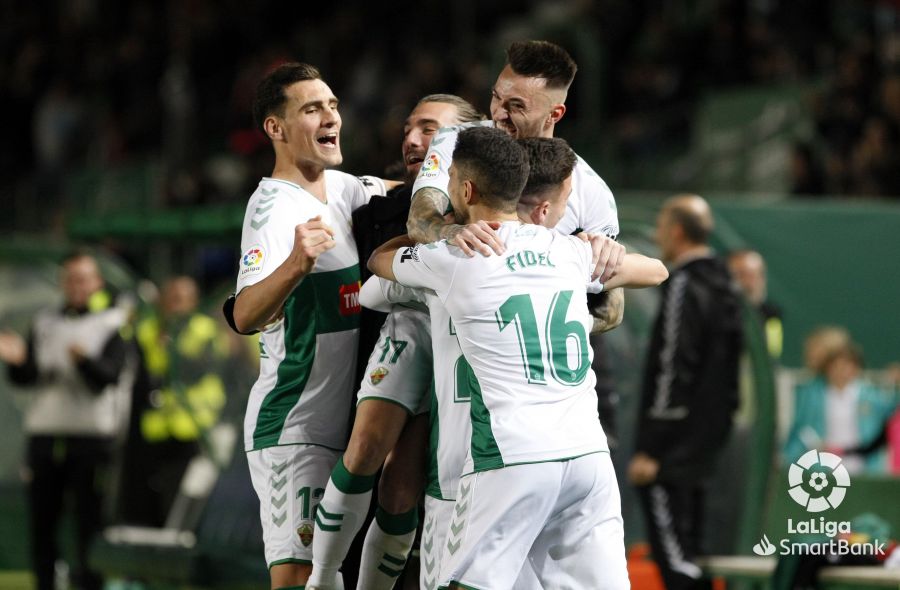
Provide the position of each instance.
(378, 375)
(349, 299)
(251, 260)
(305, 532)
(430, 166)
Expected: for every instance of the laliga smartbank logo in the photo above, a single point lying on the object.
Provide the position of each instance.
(818, 482)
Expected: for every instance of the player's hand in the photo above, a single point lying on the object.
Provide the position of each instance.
(643, 469)
(610, 312)
(13, 350)
(607, 256)
(311, 239)
(480, 236)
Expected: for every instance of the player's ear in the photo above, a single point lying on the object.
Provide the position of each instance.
(539, 213)
(468, 191)
(556, 113)
(273, 128)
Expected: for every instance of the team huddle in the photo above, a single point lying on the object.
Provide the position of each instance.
(479, 391)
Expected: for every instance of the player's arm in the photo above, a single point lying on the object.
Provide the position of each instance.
(260, 303)
(381, 294)
(638, 271)
(427, 223)
(381, 262)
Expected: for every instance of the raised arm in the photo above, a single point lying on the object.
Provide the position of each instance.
(428, 223)
(638, 271)
(381, 262)
(259, 304)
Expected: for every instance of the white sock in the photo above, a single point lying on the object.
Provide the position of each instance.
(386, 548)
(338, 518)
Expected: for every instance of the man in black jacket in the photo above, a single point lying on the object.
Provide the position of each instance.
(690, 389)
(72, 362)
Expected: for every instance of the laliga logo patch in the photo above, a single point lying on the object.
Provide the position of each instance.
(251, 260)
(431, 166)
(818, 481)
(378, 375)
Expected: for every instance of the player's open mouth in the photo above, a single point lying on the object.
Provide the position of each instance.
(510, 129)
(413, 160)
(329, 141)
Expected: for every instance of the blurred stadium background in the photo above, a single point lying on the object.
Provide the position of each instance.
(126, 127)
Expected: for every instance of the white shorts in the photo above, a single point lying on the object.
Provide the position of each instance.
(563, 517)
(290, 481)
(399, 369)
(438, 514)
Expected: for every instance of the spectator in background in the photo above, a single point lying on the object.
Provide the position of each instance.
(690, 389)
(837, 411)
(73, 361)
(749, 271)
(178, 397)
(806, 175)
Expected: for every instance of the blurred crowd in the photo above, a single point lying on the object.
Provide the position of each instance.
(98, 84)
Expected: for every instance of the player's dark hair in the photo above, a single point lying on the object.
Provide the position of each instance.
(465, 112)
(551, 162)
(495, 163)
(542, 59)
(270, 97)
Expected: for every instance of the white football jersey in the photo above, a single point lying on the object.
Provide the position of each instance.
(450, 388)
(591, 206)
(522, 323)
(304, 390)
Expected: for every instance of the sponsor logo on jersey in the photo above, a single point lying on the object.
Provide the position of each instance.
(251, 261)
(378, 375)
(431, 166)
(349, 299)
(305, 532)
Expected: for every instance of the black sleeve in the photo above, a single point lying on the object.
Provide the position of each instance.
(26, 374)
(228, 312)
(105, 369)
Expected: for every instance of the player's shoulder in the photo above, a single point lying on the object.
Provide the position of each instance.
(585, 174)
(456, 129)
(344, 181)
(440, 248)
(272, 196)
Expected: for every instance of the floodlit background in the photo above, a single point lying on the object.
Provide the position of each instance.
(127, 128)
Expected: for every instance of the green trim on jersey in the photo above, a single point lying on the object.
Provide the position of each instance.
(573, 457)
(287, 182)
(333, 311)
(485, 452)
(388, 400)
(319, 298)
(298, 444)
(433, 487)
(290, 560)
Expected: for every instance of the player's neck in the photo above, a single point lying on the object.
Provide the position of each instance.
(481, 213)
(310, 178)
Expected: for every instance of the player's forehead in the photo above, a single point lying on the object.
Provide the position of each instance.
(440, 113)
(512, 85)
(309, 91)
